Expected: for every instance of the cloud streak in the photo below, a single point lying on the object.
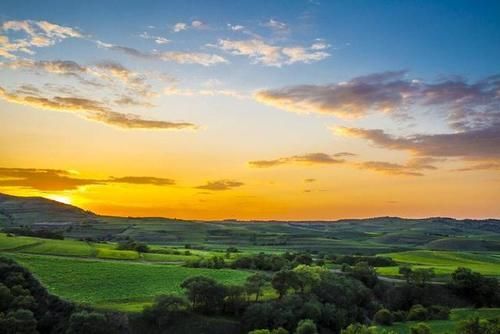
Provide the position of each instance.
(59, 180)
(179, 57)
(308, 159)
(92, 110)
(221, 185)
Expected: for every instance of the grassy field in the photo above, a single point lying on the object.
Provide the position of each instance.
(120, 285)
(445, 326)
(445, 262)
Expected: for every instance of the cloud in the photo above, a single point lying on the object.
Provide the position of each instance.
(309, 180)
(235, 27)
(182, 26)
(58, 180)
(261, 52)
(180, 57)
(90, 109)
(221, 185)
(200, 58)
(108, 71)
(466, 105)
(157, 181)
(276, 25)
(482, 143)
(157, 39)
(413, 167)
(37, 34)
(308, 159)
(488, 165)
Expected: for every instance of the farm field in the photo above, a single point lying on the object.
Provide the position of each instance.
(119, 285)
(444, 326)
(445, 262)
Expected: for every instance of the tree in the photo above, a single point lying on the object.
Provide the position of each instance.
(365, 273)
(308, 276)
(164, 310)
(420, 328)
(306, 326)
(383, 317)
(204, 293)
(406, 272)
(284, 280)
(482, 291)
(234, 300)
(422, 275)
(254, 284)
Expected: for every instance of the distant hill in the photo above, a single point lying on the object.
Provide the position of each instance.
(16, 210)
(370, 235)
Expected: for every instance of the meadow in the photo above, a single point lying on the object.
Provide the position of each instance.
(444, 326)
(444, 262)
(119, 285)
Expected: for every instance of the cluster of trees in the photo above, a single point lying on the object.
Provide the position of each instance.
(28, 232)
(131, 244)
(27, 308)
(416, 313)
(481, 291)
(374, 261)
(416, 276)
(261, 261)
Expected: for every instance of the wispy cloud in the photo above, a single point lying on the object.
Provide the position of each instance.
(59, 180)
(180, 57)
(37, 34)
(482, 143)
(157, 39)
(309, 159)
(221, 185)
(267, 54)
(92, 110)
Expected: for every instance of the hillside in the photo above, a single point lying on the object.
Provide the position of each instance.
(368, 236)
(15, 211)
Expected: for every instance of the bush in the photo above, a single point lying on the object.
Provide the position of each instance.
(306, 326)
(420, 328)
(358, 329)
(383, 317)
(399, 316)
(476, 326)
(417, 312)
(438, 312)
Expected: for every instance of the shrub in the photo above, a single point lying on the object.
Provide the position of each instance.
(420, 328)
(399, 316)
(417, 312)
(306, 326)
(383, 317)
(438, 312)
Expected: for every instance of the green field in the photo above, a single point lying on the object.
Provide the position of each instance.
(121, 285)
(445, 262)
(445, 326)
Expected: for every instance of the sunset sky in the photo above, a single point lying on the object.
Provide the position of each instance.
(253, 109)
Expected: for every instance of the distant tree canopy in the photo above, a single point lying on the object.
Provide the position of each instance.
(38, 233)
(131, 244)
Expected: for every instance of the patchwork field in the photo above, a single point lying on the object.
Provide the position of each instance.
(445, 262)
(120, 285)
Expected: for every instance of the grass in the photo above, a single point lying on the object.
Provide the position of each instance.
(445, 326)
(105, 253)
(445, 262)
(60, 247)
(118, 285)
(11, 242)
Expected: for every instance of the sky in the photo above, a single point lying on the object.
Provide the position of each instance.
(292, 110)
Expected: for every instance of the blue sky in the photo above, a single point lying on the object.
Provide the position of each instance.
(250, 98)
